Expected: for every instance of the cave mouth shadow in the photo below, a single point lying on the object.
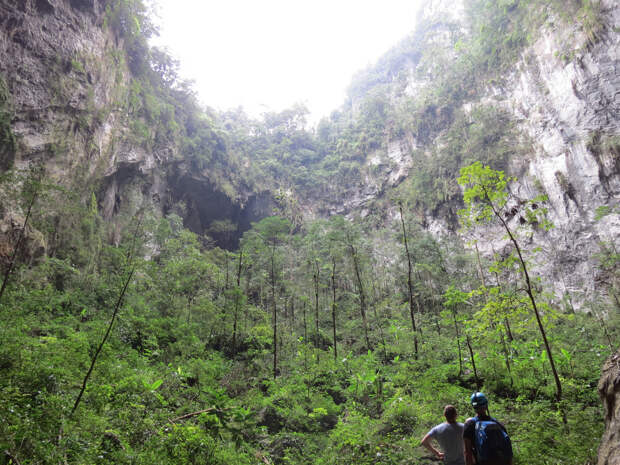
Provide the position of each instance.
(210, 211)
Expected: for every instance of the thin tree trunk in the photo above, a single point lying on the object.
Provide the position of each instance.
(479, 264)
(473, 361)
(18, 244)
(409, 282)
(334, 308)
(604, 326)
(103, 341)
(237, 302)
(227, 278)
(360, 286)
(292, 313)
(505, 319)
(458, 342)
(305, 336)
(506, 356)
(530, 293)
(379, 325)
(508, 330)
(274, 317)
(437, 325)
(316, 278)
(248, 279)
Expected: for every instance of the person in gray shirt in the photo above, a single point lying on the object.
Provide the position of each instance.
(449, 435)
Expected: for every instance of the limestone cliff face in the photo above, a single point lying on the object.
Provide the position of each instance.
(609, 390)
(564, 96)
(69, 84)
(567, 107)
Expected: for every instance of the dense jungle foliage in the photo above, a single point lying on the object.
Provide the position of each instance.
(190, 372)
(331, 341)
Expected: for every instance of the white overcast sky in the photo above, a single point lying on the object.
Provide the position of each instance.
(266, 55)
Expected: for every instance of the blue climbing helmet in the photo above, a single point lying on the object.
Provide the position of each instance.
(478, 399)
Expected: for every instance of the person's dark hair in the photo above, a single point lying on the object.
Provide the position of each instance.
(449, 412)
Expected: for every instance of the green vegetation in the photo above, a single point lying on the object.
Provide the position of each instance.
(331, 341)
(190, 373)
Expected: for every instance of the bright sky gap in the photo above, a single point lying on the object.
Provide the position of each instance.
(268, 55)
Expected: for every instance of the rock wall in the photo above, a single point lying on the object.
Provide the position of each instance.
(564, 96)
(609, 390)
(69, 86)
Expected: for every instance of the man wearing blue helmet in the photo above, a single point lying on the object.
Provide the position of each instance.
(484, 437)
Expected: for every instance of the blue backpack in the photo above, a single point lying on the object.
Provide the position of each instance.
(493, 446)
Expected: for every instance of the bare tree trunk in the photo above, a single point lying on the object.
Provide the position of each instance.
(479, 264)
(505, 320)
(316, 278)
(604, 326)
(334, 308)
(473, 361)
(409, 282)
(379, 325)
(17, 247)
(305, 336)
(103, 341)
(530, 292)
(248, 279)
(360, 287)
(274, 315)
(458, 342)
(237, 302)
(227, 279)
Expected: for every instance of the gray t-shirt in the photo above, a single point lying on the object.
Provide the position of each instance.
(450, 439)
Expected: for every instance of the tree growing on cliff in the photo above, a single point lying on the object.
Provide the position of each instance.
(486, 201)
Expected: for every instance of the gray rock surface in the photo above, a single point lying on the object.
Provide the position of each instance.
(564, 94)
(69, 87)
(68, 91)
(563, 106)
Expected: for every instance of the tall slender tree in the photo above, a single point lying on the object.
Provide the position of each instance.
(269, 234)
(359, 283)
(486, 198)
(409, 280)
(31, 190)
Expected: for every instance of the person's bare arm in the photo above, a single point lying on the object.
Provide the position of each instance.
(426, 442)
(469, 457)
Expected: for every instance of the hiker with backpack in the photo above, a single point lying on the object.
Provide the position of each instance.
(484, 437)
(449, 435)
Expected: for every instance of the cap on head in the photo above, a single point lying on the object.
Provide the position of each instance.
(478, 399)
